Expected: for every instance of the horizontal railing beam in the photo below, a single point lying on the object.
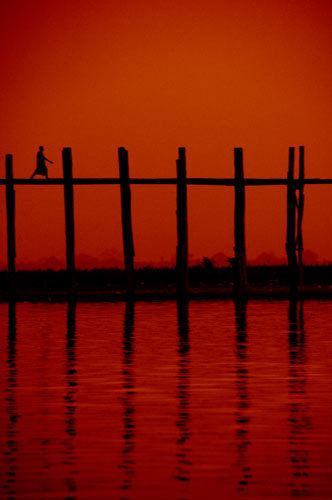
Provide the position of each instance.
(166, 181)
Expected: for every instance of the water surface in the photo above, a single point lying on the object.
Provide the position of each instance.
(160, 401)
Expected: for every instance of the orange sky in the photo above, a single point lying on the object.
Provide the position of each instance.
(153, 75)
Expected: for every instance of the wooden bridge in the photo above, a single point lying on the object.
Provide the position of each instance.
(295, 206)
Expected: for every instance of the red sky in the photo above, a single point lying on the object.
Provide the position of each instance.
(152, 76)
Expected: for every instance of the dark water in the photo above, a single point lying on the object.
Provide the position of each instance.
(155, 401)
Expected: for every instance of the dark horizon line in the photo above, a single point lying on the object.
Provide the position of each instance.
(159, 268)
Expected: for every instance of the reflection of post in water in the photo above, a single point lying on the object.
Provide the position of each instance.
(12, 446)
(299, 420)
(128, 462)
(70, 400)
(243, 402)
(183, 395)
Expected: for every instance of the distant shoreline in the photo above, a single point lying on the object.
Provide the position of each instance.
(58, 296)
(205, 282)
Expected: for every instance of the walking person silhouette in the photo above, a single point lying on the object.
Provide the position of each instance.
(41, 168)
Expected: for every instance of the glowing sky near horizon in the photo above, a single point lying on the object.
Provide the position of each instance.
(152, 76)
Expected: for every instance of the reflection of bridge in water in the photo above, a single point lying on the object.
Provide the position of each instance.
(242, 470)
(69, 449)
(243, 400)
(128, 399)
(183, 395)
(299, 419)
(12, 445)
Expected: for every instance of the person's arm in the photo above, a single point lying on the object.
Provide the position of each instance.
(49, 161)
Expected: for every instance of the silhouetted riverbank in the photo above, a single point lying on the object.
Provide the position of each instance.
(205, 281)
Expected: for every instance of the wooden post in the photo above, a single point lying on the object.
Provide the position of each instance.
(240, 262)
(69, 216)
(300, 208)
(127, 232)
(182, 226)
(291, 226)
(10, 203)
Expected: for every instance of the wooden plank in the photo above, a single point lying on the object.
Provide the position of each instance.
(69, 216)
(127, 232)
(10, 205)
(291, 227)
(300, 208)
(198, 181)
(182, 226)
(240, 262)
